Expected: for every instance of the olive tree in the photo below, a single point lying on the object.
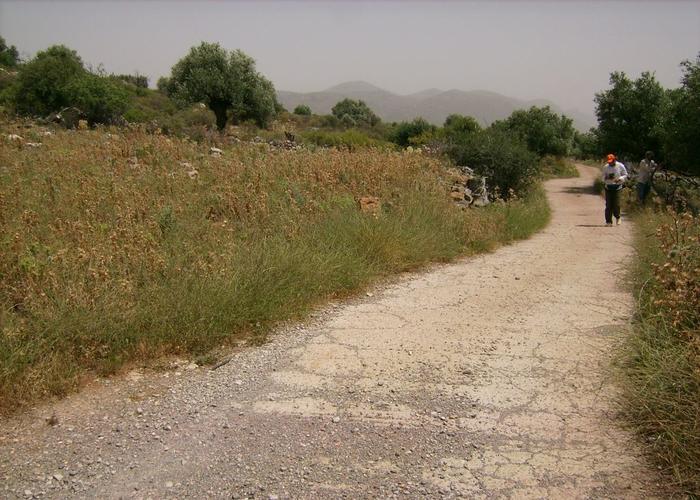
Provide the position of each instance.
(358, 113)
(226, 82)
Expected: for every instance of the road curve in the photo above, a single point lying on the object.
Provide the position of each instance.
(486, 378)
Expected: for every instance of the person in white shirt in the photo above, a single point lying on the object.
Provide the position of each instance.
(646, 169)
(614, 176)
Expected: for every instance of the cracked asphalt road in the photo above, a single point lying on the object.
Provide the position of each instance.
(487, 378)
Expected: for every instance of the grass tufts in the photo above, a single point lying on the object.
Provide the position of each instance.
(112, 252)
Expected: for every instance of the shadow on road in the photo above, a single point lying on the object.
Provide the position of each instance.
(581, 190)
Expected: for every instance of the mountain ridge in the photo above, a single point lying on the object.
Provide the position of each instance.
(434, 105)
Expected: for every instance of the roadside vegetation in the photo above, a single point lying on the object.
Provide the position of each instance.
(660, 365)
(661, 362)
(118, 245)
(137, 222)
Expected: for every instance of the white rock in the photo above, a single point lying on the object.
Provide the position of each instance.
(336, 420)
(169, 484)
(15, 137)
(58, 477)
(33, 144)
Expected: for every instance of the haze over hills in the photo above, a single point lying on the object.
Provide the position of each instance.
(434, 105)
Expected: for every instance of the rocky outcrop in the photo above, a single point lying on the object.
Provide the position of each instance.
(468, 189)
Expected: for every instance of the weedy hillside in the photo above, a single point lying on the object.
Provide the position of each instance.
(117, 245)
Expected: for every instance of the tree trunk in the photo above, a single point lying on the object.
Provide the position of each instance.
(219, 108)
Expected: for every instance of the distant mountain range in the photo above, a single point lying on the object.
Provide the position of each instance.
(434, 105)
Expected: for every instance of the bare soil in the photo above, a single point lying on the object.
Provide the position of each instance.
(485, 378)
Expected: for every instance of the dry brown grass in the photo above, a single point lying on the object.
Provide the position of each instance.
(112, 253)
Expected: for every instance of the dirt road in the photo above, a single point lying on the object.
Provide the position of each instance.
(487, 378)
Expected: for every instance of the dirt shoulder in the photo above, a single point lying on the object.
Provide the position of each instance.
(484, 378)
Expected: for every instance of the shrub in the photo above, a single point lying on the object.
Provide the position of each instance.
(661, 364)
(42, 84)
(459, 125)
(101, 99)
(501, 157)
(544, 132)
(302, 109)
(348, 139)
(358, 111)
(403, 132)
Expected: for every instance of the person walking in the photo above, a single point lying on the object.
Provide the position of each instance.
(614, 176)
(644, 173)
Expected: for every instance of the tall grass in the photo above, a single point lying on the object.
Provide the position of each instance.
(661, 363)
(113, 251)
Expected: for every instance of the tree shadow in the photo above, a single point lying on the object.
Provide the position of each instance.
(581, 190)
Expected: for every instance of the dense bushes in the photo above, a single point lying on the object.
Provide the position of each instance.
(302, 109)
(347, 139)
(352, 113)
(99, 98)
(544, 132)
(42, 84)
(403, 132)
(56, 78)
(500, 156)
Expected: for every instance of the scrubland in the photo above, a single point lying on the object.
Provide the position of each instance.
(118, 246)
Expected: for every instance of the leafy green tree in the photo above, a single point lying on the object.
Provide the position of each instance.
(404, 131)
(9, 56)
(629, 115)
(101, 99)
(302, 109)
(41, 84)
(457, 125)
(586, 144)
(226, 82)
(544, 132)
(680, 128)
(358, 111)
(500, 156)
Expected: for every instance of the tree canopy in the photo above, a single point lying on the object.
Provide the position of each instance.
(9, 55)
(226, 82)
(680, 130)
(629, 114)
(544, 132)
(42, 83)
(351, 113)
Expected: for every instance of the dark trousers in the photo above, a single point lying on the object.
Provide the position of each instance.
(643, 189)
(612, 204)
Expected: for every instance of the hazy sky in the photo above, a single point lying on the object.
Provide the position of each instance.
(558, 50)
